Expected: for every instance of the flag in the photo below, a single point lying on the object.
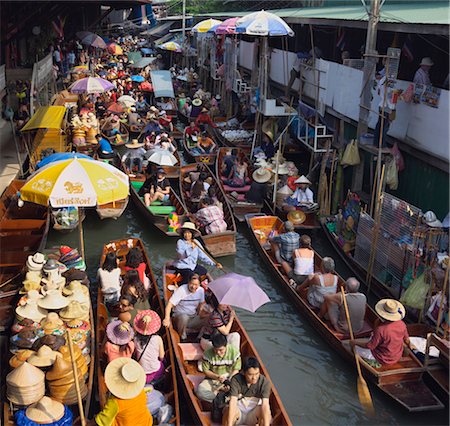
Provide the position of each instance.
(341, 42)
(407, 49)
(58, 26)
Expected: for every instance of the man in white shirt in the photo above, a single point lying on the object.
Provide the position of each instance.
(186, 302)
(422, 75)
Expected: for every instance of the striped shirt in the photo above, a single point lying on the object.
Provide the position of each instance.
(230, 362)
(186, 302)
(288, 242)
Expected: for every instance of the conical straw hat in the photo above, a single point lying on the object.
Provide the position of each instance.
(61, 368)
(46, 410)
(75, 310)
(20, 357)
(44, 357)
(26, 375)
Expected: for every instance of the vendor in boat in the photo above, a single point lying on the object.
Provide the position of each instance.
(283, 245)
(186, 302)
(334, 306)
(220, 363)
(238, 175)
(134, 156)
(195, 108)
(199, 188)
(156, 188)
(249, 402)
(302, 197)
(209, 217)
(166, 104)
(112, 125)
(134, 119)
(104, 148)
(227, 163)
(205, 144)
(303, 262)
(321, 283)
(258, 188)
(386, 345)
(119, 340)
(191, 133)
(141, 105)
(165, 122)
(127, 404)
(204, 119)
(189, 252)
(163, 141)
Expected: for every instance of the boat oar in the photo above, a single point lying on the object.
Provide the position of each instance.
(209, 256)
(363, 390)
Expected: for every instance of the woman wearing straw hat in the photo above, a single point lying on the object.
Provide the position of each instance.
(127, 405)
(302, 197)
(258, 188)
(204, 119)
(385, 347)
(120, 340)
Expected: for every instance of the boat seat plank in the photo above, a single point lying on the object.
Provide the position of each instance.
(162, 209)
(21, 224)
(191, 351)
(228, 188)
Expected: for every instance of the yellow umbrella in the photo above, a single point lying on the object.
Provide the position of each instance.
(205, 26)
(171, 45)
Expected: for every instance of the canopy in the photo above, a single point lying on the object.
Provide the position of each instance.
(162, 84)
(91, 85)
(143, 62)
(205, 26)
(50, 117)
(263, 24)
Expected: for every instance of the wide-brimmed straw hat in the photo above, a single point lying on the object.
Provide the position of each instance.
(188, 226)
(426, 61)
(197, 102)
(262, 175)
(119, 333)
(73, 287)
(282, 169)
(75, 310)
(431, 220)
(31, 311)
(134, 144)
(390, 309)
(53, 300)
(51, 323)
(297, 217)
(125, 378)
(35, 262)
(303, 179)
(147, 322)
(204, 109)
(44, 357)
(45, 411)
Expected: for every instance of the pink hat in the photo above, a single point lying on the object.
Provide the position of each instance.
(147, 322)
(119, 333)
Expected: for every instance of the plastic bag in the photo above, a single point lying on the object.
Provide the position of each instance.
(433, 310)
(351, 154)
(392, 174)
(395, 152)
(415, 295)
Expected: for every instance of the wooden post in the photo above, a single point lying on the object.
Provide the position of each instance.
(441, 306)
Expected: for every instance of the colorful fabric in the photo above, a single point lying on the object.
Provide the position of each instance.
(203, 119)
(225, 365)
(211, 218)
(21, 419)
(288, 242)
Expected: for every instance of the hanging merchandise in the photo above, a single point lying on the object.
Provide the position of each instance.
(392, 174)
(351, 154)
(415, 295)
(433, 310)
(395, 152)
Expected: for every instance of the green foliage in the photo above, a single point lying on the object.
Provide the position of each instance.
(199, 7)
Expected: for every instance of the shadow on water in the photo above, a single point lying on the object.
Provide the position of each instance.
(316, 385)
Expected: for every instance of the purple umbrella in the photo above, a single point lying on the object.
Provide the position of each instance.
(91, 85)
(239, 291)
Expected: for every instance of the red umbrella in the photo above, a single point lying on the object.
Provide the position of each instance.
(115, 108)
(146, 86)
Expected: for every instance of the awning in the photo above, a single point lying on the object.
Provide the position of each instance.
(50, 117)
(159, 29)
(143, 62)
(162, 84)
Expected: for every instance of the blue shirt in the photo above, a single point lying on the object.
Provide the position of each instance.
(288, 242)
(188, 256)
(105, 146)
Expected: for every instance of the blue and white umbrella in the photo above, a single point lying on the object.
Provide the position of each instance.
(60, 156)
(263, 24)
(137, 78)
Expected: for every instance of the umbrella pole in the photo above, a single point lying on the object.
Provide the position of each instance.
(80, 234)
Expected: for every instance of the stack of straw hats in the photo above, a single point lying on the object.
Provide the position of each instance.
(25, 384)
(75, 310)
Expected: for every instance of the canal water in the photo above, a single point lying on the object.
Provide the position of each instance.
(316, 386)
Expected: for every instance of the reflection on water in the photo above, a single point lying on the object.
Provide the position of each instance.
(317, 387)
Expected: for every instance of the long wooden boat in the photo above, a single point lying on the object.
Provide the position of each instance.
(124, 132)
(221, 243)
(23, 232)
(311, 222)
(169, 386)
(239, 205)
(208, 159)
(381, 290)
(200, 411)
(403, 382)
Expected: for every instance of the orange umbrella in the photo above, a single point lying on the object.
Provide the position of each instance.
(115, 49)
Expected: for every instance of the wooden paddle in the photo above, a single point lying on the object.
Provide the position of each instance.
(363, 390)
(209, 256)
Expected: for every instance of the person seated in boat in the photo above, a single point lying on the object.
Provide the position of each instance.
(187, 108)
(204, 119)
(320, 284)
(226, 168)
(238, 175)
(166, 104)
(163, 141)
(302, 197)
(132, 284)
(199, 188)
(141, 105)
(134, 119)
(191, 133)
(158, 188)
(149, 346)
(127, 401)
(333, 306)
(127, 311)
(165, 122)
(258, 188)
(112, 126)
(135, 261)
(189, 253)
(283, 245)
(215, 106)
(104, 148)
(134, 156)
(303, 262)
(109, 278)
(249, 397)
(205, 144)
(212, 194)
(21, 116)
(210, 217)
(386, 345)
(119, 340)
(186, 303)
(220, 363)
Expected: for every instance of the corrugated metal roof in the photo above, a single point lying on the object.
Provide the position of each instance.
(426, 12)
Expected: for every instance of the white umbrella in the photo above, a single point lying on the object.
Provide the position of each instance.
(163, 158)
(127, 100)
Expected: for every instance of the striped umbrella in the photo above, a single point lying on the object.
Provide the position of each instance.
(91, 85)
(93, 40)
(263, 23)
(205, 26)
(227, 27)
(171, 46)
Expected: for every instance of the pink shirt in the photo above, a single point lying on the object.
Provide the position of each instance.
(150, 358)
(113, 351)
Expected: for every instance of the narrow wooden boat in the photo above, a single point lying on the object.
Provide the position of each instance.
(208, 159)
(169, 386)
(381, 290)
(183, 118)
(112, 210)
(222, 243)
(223, 141)
(191, 377)
(124, 133)
(403, 382)
(311, 222)
(238, 204)
(23, 232)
